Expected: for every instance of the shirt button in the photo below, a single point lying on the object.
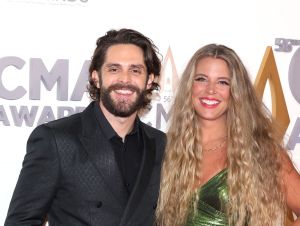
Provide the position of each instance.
(99, 204)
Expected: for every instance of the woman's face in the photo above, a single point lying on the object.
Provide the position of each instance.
(211, 89)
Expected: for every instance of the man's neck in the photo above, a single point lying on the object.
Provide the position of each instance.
(122, 125)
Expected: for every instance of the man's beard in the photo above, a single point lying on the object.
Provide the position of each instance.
(121, 107)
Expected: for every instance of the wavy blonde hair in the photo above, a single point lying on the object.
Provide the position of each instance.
(254, 180)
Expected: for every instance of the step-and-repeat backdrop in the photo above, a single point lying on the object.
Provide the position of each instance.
(46, 45)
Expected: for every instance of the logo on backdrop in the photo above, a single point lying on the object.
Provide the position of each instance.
(287, 45)
(168, 83)
(58, 76)
(39, 74)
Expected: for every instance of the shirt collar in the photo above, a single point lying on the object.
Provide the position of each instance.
(107, 129)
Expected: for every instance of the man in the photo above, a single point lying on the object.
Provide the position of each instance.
(101, 166)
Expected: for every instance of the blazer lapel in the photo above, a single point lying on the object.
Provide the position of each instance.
(101, 154)
(143, 178)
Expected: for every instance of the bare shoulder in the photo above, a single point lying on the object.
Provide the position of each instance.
(287, 164)
(291, 179)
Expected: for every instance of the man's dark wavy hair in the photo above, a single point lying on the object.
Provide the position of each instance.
(125, 36)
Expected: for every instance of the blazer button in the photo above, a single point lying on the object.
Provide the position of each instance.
(99, 204)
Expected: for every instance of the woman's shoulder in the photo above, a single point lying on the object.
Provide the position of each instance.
(291, 179)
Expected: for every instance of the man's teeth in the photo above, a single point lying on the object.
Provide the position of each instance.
(123, 91)
(210, 102)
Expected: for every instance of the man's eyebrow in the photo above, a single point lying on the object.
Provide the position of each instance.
(141, 66)
(138, 65)
(112, 65)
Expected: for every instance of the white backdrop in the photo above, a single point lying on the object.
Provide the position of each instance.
(41, 35)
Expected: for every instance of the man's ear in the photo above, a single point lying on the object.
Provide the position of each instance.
(150, 80)
(95, 77)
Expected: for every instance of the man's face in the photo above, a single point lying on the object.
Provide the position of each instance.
(123, 79)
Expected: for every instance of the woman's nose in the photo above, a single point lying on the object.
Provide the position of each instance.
(211, 88)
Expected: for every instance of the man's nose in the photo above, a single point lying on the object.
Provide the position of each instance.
(125, 77)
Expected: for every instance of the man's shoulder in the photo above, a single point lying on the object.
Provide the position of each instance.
(153, 131)
(73, 120)
(158, 138)
(70, 124)
(65, 122)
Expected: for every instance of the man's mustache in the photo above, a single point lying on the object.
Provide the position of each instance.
(120, 86)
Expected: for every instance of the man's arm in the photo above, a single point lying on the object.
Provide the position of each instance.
(37, 181)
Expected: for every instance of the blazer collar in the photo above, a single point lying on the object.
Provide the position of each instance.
(89, 121)
(101, 154)
(144, 176)
(93, 139)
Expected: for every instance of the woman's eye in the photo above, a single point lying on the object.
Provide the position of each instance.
(200, 79)
(224, 82)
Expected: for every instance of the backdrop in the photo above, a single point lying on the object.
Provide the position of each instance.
(46, 45)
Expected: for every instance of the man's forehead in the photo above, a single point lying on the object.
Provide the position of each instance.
(111, 64)
(119, 49)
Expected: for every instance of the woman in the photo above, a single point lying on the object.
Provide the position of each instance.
(224, 161)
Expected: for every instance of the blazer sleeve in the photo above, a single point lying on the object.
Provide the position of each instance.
(37, 181)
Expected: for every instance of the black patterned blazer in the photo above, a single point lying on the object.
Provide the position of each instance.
(70, 177)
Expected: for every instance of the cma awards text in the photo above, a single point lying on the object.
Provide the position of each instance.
(33, 113)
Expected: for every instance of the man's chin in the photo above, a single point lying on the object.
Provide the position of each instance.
(125, 100)
(122, 109)
(122, 114)
(122, 106)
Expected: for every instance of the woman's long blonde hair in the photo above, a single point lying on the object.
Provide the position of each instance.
(254, 170)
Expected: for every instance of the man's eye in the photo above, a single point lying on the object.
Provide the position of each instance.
(136, 71)
(112, 69)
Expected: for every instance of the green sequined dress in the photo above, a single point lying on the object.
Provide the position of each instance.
(213, 199)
